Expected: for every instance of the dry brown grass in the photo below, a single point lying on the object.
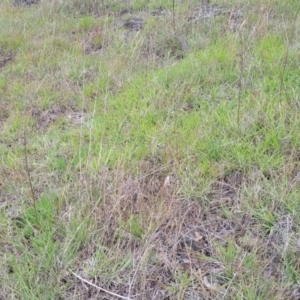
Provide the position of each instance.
(162, 148)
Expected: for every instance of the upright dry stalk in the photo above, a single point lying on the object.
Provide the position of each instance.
(147, 65)
(173, 17)
(285, 59)
(240, 85)
(29, 178)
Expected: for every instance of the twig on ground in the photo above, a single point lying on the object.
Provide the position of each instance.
(97, 287)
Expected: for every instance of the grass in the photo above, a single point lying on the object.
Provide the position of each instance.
(163, 158)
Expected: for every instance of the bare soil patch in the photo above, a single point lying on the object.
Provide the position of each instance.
(47, 117)
(207, 10)
(24, 2)
(6, 57)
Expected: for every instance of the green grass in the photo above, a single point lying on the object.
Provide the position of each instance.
(135, 141)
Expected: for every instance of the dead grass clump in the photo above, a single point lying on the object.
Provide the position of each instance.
(160, 48)
(164, 236)
(94, 42)
(180, 248)
(262, 25)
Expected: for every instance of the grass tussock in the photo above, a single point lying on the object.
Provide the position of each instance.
(149, 150)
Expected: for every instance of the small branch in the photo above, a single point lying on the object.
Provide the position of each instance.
(99, 288)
